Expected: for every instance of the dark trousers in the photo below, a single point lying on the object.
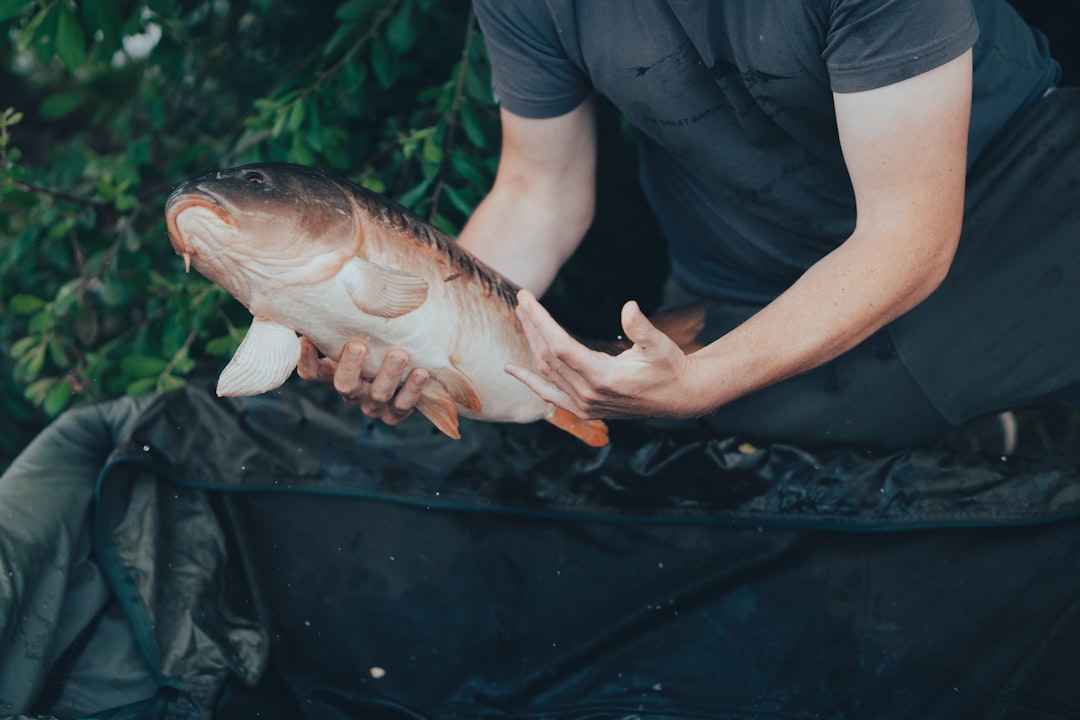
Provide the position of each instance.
(1002, 331)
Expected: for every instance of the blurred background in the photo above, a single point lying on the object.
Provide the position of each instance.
(105, 105)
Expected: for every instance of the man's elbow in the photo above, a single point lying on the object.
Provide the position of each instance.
(939, 264)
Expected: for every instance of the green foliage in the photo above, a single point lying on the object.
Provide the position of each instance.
(108, 105)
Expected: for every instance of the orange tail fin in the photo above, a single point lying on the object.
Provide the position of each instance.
(682, 325)
(593, 433)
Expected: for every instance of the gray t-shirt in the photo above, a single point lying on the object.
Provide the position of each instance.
(740, 158)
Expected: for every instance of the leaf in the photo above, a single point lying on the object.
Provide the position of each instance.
(165, 383)
(317, 133)
(57, 106)
(27, 35)
(299, 152)
(70, 38)
(10, 117)
(30, 364)
(432, 152)
(57, 355)
(125, 202)
(444, 224)
(355, 10)
(138, 151)
(478, 84)
(40, 322)
(296, 116)
(470, 172)
(280, 119)
(266, 104)
(140, 366)
(384, 63)
(36, 391)
(140, 387)
(353, 75)
(458, 200)
(25, 304)
(338, 38)
(470, 123)
(411, 197)
(399, 31)
(22, 345)
(174, 335)
(11, 8)
(103, 16)
(223, 346)
(57, 398)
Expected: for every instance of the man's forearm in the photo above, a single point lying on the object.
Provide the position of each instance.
(838, 303)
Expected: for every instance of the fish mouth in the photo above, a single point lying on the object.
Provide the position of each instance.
(183, 199)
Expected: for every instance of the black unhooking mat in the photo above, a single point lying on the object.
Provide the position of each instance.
(281, 557)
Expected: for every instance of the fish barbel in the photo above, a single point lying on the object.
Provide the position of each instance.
(311, 253)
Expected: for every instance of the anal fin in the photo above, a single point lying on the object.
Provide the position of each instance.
(593, 433)
(459, 387)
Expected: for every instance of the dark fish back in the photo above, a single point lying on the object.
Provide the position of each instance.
(397, 216)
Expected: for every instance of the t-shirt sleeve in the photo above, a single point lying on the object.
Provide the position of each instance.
(531, 73)
(872, 43)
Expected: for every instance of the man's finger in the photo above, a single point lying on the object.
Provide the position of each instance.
(347, 376)
(564, 355)
(535, 315)
(308, 366)
(544, 388)
(409, 393)
(388, 378)
(639, 329)
(314, 368)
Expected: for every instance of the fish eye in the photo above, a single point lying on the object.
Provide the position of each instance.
(254, 177)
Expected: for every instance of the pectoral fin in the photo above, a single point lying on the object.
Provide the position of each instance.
(381, 290)
(264, 360)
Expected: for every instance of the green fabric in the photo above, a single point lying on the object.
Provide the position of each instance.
(50, 588)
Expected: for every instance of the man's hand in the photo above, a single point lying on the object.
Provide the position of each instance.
(390, 396)
(654, 378)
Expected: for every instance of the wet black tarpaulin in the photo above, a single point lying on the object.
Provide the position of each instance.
(518, 573)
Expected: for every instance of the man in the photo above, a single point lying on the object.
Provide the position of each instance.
(808, 162)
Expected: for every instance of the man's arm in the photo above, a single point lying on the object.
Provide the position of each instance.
(905, 149)
(543, 198)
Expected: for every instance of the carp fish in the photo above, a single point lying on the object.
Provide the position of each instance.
(311, 253)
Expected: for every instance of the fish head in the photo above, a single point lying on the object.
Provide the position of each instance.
(257, 228)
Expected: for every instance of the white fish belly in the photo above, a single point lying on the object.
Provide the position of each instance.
(448, 330)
